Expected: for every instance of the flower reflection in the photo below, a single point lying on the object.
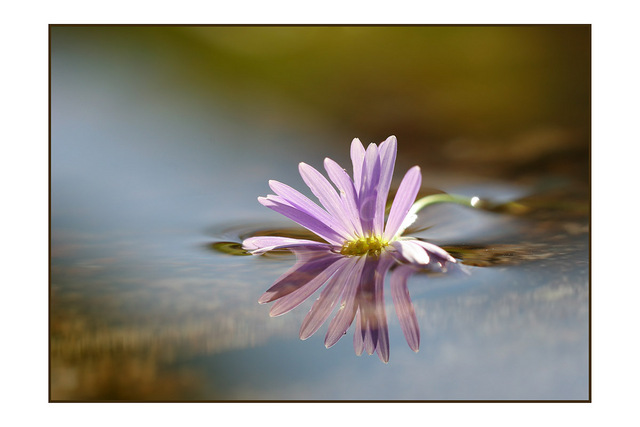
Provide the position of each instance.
(357, 251)
(356, 285)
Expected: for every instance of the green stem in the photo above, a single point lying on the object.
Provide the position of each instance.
(432, 199)
(475, 202)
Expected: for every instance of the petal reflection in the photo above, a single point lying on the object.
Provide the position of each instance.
(324, 305)
(404, 308)
(339, 324)
(355, 284)
(371, 332)
(308, 266)
(299, 295)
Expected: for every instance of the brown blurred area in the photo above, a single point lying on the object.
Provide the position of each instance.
(499, 101)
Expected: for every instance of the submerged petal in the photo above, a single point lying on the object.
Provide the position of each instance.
(405, 197)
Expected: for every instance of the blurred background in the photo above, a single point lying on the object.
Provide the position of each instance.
(162, 137)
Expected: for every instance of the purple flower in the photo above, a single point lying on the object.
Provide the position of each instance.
(352, 221)
(357, 252)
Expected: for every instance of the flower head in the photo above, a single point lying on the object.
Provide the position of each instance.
(358, 250)
(351, 220)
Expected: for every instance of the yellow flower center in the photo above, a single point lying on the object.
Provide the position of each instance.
(371, 245)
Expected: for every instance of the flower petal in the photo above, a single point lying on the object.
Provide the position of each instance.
(387, 152)
(357, 159)
(347, 192)
(260, 244)
(435, 251)
(404, 308)
(327, 195)
(298, 200)
(405, 197)
(307, 220)
(411, 251)
(369, 187)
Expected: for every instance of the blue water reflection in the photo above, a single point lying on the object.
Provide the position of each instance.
(482, 337)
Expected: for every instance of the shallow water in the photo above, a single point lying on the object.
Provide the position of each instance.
(153, 186)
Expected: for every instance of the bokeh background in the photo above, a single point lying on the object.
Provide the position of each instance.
(162, 137)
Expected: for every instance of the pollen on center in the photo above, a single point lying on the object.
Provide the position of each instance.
(370, 245)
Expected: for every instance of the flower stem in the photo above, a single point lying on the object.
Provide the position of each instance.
(432, 199)
(472, 202)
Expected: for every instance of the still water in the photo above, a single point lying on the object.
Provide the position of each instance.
(154, 180)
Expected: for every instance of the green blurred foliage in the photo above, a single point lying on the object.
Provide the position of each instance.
(437, 81)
